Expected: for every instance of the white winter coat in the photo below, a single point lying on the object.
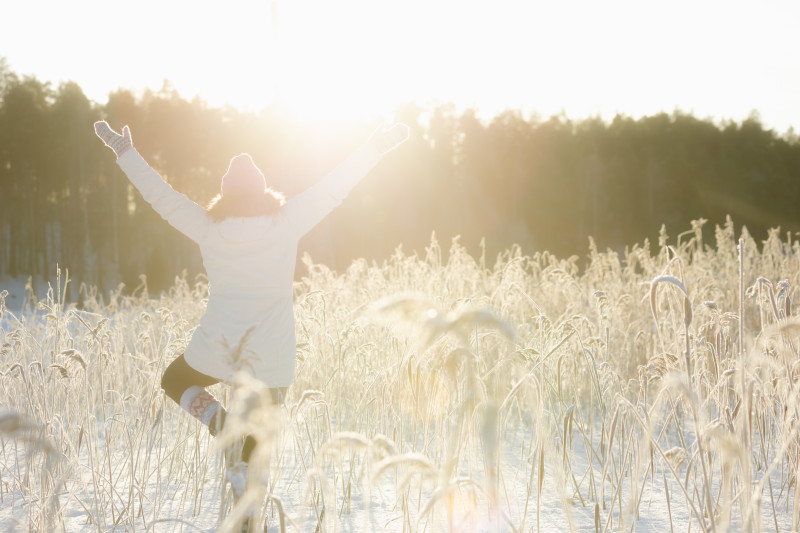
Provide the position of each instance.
(249, 321)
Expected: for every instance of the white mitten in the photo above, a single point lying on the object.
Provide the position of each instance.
(119, 143)
(386, 139)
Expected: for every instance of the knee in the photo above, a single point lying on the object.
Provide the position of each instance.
(169, 384)
(278, 395)
(165, 380)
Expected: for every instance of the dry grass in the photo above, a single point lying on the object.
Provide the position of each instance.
(674, 368)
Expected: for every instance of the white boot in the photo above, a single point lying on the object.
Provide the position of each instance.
(237, 477)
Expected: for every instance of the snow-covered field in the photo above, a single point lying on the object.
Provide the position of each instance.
(16, 296)
(372, 504)
(433, 393)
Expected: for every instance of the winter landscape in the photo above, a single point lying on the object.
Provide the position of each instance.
(565, 299)
(653, 390)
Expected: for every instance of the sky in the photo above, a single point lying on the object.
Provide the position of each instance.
(721, 60)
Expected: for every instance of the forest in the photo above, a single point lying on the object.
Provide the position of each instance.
(543, 183)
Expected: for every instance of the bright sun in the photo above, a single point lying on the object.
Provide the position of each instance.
(318, 58)
(340, 58)
(347, 58)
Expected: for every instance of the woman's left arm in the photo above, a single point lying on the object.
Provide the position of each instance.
(174, 207)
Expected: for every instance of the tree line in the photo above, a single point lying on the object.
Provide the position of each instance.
(545, 184)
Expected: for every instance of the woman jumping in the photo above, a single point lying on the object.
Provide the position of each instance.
(248, 238)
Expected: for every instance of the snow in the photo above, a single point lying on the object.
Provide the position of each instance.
(192, 504)
(17, 296)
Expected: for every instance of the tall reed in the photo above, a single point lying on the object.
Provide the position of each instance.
(647, 388)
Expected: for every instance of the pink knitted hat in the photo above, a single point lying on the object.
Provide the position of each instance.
(243, 176)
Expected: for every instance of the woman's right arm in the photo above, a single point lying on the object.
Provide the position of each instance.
(308, 208)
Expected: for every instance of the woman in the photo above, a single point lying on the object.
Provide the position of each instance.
(248, 240)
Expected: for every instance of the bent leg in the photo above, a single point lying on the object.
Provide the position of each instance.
(186, 386)
(179, 376)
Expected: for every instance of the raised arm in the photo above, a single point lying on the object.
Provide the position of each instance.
(174, 207)
(308, 208)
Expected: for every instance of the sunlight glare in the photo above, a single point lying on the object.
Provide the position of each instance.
(331, 57)
(366, 57)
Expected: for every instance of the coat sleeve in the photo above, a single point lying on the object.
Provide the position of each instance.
(308, 208)
(174, 207)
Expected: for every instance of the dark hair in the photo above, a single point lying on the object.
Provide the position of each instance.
(245, 204)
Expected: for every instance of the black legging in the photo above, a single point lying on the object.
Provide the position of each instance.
(179, 376)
